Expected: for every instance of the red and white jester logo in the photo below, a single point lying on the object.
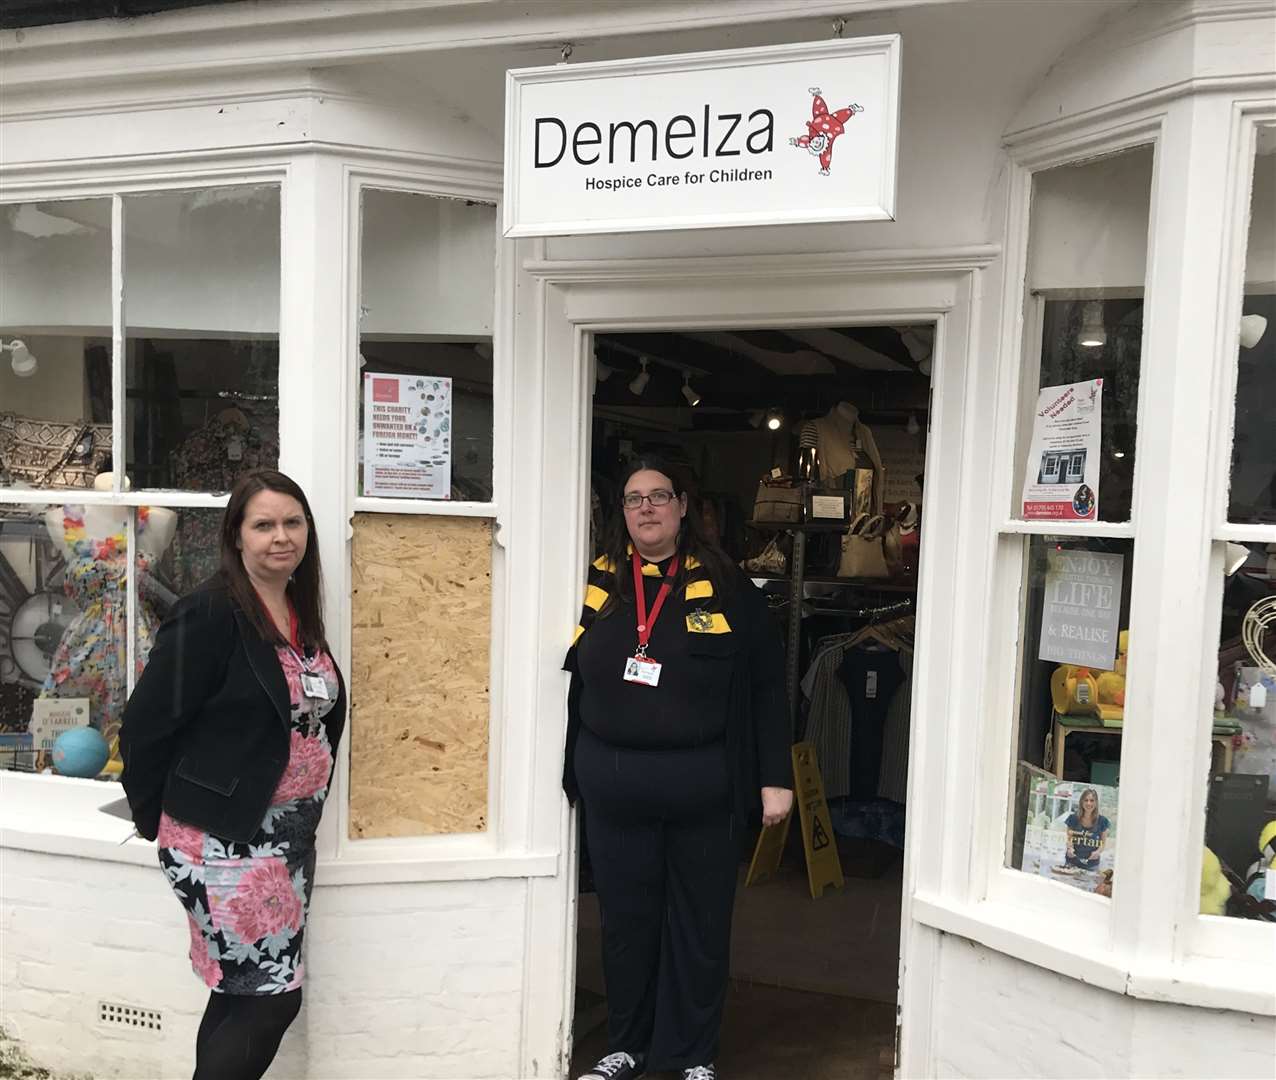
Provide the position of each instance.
(823, 128)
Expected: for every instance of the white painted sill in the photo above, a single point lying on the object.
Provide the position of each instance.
(56, 815)
(1244, 985)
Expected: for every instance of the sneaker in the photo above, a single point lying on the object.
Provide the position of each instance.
(617, 1066)
(700, 1072)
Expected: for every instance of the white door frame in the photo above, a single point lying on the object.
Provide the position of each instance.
(558, 306)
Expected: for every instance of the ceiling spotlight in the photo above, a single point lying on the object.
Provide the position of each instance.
(24, 364)
(1253, 327)
(1093, 333)
(1234, 557)
(602, 372)
(775, 419)
(756, 418)
(688, 391)
(639, 382)
(912, 427)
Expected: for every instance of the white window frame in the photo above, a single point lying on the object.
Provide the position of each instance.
(1208, 940)
(507, 847)
(1150, 941)
(159, 498)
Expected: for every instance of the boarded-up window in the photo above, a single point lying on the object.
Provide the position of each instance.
(420, 697)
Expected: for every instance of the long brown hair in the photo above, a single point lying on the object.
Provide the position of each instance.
(692, 537)
(1081, 815)
(305, 587)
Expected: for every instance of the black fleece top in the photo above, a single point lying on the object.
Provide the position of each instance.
(712, 686)
(688, 707)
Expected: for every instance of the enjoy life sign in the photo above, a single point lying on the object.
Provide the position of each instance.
(1082, 609)
(778, 135)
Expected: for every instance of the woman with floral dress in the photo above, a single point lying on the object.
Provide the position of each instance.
(228, 743)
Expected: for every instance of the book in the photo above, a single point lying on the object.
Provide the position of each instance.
(1070, 833)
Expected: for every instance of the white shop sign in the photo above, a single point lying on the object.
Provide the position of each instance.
(777, 135)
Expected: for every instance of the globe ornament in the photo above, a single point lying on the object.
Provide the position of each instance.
(81, 751)
(1260, 621)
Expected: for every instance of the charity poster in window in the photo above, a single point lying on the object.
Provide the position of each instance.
(1070, 834)
(1062, 478)
(407, 436)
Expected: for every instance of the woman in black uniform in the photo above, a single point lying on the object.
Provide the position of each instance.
(677, 736)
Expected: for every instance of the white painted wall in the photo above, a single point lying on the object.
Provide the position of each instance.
(998, 1018)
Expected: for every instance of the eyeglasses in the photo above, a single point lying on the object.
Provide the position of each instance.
(660, 497)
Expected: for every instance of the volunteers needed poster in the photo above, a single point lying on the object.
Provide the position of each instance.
(1062, 479)
(407, 436)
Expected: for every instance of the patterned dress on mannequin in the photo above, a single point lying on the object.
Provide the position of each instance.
(92, 658)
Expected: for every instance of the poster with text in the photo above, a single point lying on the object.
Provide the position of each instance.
(1082, 608)
(1062, 478)
(407, 436)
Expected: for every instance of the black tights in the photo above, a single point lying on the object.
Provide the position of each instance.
(240, 1034)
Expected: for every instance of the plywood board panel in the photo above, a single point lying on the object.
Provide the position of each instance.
(419, 688)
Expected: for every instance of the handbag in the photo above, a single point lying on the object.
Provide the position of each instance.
(777, 502)
(770, 560)
(863, 552)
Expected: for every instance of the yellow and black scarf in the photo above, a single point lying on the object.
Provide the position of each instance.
(703, 619)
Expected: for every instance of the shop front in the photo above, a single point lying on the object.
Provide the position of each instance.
(279, 235)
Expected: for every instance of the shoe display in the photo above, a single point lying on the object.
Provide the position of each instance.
(700, 1072)
(617, 1066)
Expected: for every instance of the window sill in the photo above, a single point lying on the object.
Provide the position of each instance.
(56, 815)
(1241, 985)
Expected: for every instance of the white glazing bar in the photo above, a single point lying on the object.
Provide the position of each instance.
(118, 388)
(366, 504)
(1246, 534)
(1118, 530)
(90, 497)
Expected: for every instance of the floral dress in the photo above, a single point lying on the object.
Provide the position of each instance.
(246, 903)
(92, 658)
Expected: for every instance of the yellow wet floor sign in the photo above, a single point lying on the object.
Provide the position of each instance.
(823, 868)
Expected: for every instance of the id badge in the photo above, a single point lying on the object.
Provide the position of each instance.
(638, 669)
(313, 686)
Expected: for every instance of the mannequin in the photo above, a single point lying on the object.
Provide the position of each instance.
(91, 659)
(841, 438)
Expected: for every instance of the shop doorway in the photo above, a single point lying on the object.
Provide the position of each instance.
(844, 411)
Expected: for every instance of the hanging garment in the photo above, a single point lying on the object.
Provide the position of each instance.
(828, 720)
(92, 658)
(839, 434)
(892, 783)
(871, 677)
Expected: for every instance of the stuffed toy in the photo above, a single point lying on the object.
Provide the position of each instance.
(1215, 891)
(1083, 691)
(1256, 876)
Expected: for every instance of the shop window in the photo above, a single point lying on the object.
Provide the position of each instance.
(425, 347)
(55, 342)
(1076, 455)
(86, 576)
(1238, 877)
(201, 300)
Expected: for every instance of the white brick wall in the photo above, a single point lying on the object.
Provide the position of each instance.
(411, 980)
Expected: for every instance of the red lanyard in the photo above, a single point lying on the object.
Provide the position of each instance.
(645, 624)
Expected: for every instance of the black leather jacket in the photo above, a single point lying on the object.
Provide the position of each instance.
(205, 734)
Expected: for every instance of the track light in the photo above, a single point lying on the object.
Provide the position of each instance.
(688, 391)
(775, 419)
(756, 418)
(1235, 556)
(1253, 327)
(1093, 333)
(912, 427)
(602, 372)
(24, 364)
(639, 382)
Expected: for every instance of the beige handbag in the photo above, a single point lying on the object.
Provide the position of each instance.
(863, 553)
